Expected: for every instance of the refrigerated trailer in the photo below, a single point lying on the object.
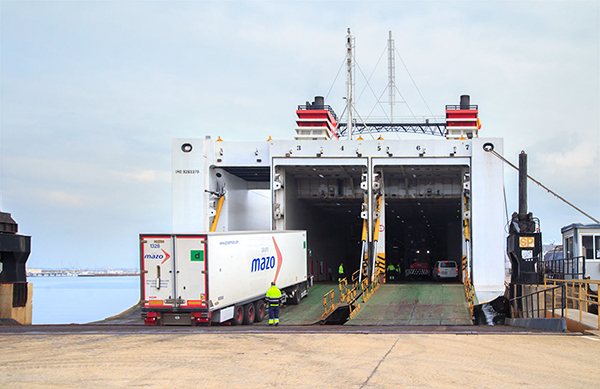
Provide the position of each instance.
(216, 277)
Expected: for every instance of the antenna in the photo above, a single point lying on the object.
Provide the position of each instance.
(391, 74)
(349, 80)
(428, 126)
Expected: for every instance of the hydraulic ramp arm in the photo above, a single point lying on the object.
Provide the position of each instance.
(219, 208)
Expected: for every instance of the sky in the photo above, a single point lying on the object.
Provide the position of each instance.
(92, 92)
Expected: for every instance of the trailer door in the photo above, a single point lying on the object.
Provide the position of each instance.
(191, 271)
(158, 268)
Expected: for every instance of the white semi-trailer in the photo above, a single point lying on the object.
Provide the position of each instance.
(215, 277)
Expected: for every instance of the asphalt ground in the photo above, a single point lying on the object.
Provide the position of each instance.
(253, 329)
(121, 352)
(120, 356)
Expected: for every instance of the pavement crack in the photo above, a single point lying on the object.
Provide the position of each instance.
(379, 364)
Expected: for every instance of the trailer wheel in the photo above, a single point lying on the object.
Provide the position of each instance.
(296, 298)
(249, 313)
(260, 311)
(238, 315)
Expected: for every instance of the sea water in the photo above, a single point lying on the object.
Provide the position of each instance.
(66, 300)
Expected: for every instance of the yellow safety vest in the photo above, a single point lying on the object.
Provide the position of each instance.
(274, 295)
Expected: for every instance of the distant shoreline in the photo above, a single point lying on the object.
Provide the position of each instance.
(83, 273)
(109, 275)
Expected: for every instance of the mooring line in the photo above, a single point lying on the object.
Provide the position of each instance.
(489, 147)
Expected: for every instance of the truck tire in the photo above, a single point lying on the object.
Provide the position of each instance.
(296, 297)
(238, 315)
(249, 313)
(260, 311)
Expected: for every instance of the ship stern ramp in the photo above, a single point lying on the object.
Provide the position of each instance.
(415, 304)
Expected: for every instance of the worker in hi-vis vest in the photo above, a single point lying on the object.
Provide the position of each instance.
(273, 299)
(341, 272)
(391, 270)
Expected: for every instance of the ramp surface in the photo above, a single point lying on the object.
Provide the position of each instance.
(415, 304)
(310, 309)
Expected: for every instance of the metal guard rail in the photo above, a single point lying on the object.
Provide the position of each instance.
(328, 303)
(579, 296)
(460, 107)
(561, 268)
(438, 129)
(349, 294)
(371, 287)
(529, 307)
(317, 107)
(355, 276)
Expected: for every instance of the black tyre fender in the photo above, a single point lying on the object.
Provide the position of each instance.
(260, 311)
(238, 315)
(249, 313)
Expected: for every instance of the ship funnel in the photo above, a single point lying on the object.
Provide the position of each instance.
(316, 121)
(462, 120)
(465, 101)
(319, 102)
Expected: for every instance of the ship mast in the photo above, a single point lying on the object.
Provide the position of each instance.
(349, 80)
(392, 76)
(428, 126)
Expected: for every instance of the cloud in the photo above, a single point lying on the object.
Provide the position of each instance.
(146, 176)
(64, 198)
(93, 93)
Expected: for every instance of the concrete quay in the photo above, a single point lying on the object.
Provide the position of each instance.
(294, 357)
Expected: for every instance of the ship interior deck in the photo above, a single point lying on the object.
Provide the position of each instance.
(422, 213)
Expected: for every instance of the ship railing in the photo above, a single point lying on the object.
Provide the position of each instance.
(328, 303)
(370, 287)
(565, 269)
(459, 107)
(343, 286)
(355, 276)
(349, 293)
(382, 120)
(544, 303)
(317, 107)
